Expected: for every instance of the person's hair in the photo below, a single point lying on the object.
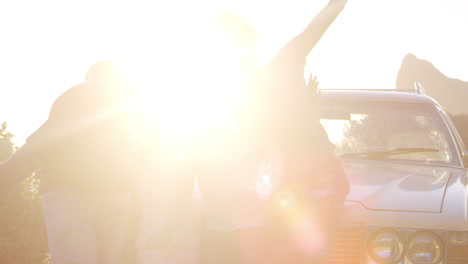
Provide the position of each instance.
(105, 72)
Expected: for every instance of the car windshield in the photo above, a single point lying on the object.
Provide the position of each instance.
(388, 131)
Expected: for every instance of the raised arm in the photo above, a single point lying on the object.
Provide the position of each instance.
(306, 41)
(301, 45)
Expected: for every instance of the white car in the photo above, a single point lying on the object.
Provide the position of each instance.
(406, 165)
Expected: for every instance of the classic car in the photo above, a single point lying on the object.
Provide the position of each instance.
(406, 165)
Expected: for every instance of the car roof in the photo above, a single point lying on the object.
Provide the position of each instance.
(375, 95)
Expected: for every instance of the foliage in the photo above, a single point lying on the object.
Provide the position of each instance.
(22, 230)
(391, 131)
(371, 133)
(6, 146)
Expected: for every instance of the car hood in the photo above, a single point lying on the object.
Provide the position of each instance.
(398, 187)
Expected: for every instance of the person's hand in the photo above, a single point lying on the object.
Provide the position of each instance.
(338, 3)
(341, 2)
(312, 87)
(313, 83)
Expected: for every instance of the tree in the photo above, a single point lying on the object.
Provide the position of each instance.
(6, 145)
(22, 230)
(384, 132)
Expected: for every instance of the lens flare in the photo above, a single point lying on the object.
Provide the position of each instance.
(308, 234)
(305, 229)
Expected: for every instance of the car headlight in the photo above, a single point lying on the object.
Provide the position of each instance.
(386, 246)
(424, 247)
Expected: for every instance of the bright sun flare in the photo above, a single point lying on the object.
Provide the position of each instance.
(194, 96)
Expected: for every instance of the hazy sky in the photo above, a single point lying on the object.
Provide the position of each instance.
(47, 46)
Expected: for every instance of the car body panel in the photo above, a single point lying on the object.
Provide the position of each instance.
(384, 186)
(396, 193)
(375, 96)
(446, 198)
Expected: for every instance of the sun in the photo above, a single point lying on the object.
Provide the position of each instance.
(186, 94)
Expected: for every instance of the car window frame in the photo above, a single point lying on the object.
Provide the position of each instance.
(450, 130)
(460, 145)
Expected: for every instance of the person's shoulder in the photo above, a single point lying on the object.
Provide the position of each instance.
(67, 100)
(70, 95)
(71, 92)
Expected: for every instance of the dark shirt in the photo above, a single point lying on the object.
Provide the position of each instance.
(89, 143)
(283, 103)
(281, 113)
(308, 154)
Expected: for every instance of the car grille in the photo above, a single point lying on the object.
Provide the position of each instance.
(346, 246)
(458, 254)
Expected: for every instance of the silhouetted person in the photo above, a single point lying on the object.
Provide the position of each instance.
(90, 156)
(276, 149)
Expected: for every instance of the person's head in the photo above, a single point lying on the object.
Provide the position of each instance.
(108, 79)
(105, 73)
